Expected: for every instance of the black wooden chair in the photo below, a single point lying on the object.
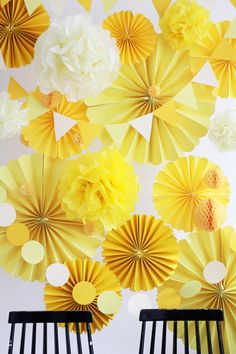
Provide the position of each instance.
(184, 316)
(45, 318)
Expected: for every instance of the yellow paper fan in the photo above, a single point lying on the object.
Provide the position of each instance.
(181, 186)
(233, 2)
(40, 133)
(19, 32)
(31, 184)
(196, 252)
(88, 280)
(135, 35)
(142, 253)
(221, 53)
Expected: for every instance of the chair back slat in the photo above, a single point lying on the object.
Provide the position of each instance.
(196, 317)
(68, 347)
(78, 338)
(33, 342)
(90, 342)
(11, 340)
(22, 341)
(45, 338)
(56, 344)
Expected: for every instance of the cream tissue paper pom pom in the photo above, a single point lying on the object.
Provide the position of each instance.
(12, 117)
(223, 131)
(76, 58)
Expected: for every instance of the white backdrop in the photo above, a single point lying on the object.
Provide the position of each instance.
(122, 334)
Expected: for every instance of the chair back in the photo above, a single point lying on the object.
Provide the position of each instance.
(54, 318)
(185, 316)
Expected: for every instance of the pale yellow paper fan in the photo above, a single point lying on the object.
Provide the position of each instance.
(31, 185)
(135, 35)
(91, 279)
(19, 32)
(41, 131)
(142, 253)
(181, 186)
(196, 252)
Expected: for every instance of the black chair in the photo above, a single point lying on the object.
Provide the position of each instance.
(54, 317)
(184, 316)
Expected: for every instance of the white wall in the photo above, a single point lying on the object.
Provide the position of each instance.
(122, 335)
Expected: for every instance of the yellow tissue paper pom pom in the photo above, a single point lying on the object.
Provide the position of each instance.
(184, 23)
(214, 178)
(210, 215)
(100, 187)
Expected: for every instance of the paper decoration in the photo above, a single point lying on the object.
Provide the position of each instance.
(33, 252)
(15, 90)
(137, 303)
(117, 132)
(164, 296)
(181, 184)
(108, 4)
(18, 234)
(31, 183)
(32, 5)
(4, 2)
(86, 4)
(145, 88)
(187, 97)
(7, 214)
(190, 289)
(2, 63)
(214, 272)
(62, 125)
(88, 279)
(224, 51)
(231, 33)
(214, 178)
(109, 302)
(18, 49)
(210, 215)
(143, 125)
(148, 250)
(134, 34)
(206, 76)
(57, 274)
(57, 6)
(3, 194)
(161, 6)
(197, 251)
(35, 108)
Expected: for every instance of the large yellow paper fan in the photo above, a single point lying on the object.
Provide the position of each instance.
(88, 280)
(31, 186)
(41, 131)
(19, 32)
(142, 253)
(182, 185)
(192, 285)
(160, 85)
(135, 35)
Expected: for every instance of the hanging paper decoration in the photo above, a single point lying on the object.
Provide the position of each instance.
(108, 4)
(88, 281)
(181, 185)
(31, 183)
(142, 253)
(206, 278)
(19, 32)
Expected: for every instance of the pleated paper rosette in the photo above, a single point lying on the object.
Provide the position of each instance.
(190, 284)
(142, 253)
(179, 188)
(88, 280)
(19, 32)
(153, 112)
(31, 184)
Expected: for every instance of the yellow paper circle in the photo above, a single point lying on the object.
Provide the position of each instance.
(190, 289)
(3, 194)
(32, 252)
(18, 234)
(169, 299)
(109, 302)
(84, 293)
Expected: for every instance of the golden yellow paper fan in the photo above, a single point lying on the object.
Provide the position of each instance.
(135, 36)
(221, 53)
(31, 185)
(181, 186)
(161, 84)
(19, 32)
(88, 280)
(189, 283)
(142, 253)
(41, 131)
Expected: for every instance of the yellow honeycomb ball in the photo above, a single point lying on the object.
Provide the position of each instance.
(210, 215)
(214, 178)
(51, 100)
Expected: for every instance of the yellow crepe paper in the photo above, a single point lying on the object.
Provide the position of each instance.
(40, 133)
(182, 185)
(99, 278)
(31, 183)
(135, 35)
(142, 253)
(148, 87)
(19, 32)
(195, 253)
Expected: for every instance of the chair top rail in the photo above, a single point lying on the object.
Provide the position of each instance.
(181, 315)
(50, 317)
